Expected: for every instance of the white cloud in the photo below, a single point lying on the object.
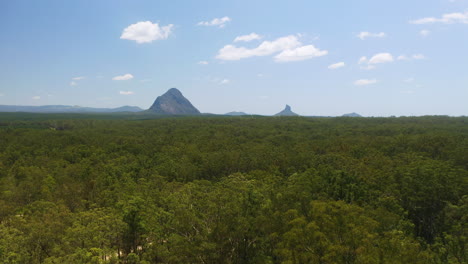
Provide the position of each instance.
(363, 35)
(300, 54)
(381, 58)
(336, 66)
(413, 57)
(247, 38)
(289, 47)
(424, 32)
(362, 82)
(146, 32)
(73, 83)
(362, 60)
(224, 81)
(36, 97)
(124, 77)
(126, 92)
(78, 78)
(220, 22)
(409, 80)
(451, 18)
(231, 52)
(203, 62)
(402, 57)
(370, 64)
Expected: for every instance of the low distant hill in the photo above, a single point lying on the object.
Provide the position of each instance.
(236, 114)
(173, 103)
(352, 115)
(287, 112)
(66, 109)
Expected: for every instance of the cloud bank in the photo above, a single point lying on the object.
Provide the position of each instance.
(288, 47)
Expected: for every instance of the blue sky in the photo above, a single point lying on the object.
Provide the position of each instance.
(377, 58)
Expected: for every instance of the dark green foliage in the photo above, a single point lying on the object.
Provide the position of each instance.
(122, 189)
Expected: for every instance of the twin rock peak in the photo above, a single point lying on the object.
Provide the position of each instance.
(174, 103)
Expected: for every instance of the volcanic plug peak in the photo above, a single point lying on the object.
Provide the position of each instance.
(173, 103)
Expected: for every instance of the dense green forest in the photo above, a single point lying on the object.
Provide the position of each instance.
(110, 189)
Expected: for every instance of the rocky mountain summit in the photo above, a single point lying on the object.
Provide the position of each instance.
(286, 112)
(173, 103)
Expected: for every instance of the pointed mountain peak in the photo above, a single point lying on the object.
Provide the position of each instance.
(173, 103)
(286, 112)
(174, 91)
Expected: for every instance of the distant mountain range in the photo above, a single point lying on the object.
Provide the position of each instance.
(66, 109)
(170, 103)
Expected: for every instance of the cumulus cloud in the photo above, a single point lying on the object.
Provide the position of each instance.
(146, 32)
(370, 64)
(203, 62)
(300, 54)
(36, 97)
(126, 92)
(363, 35)
(450, 18)
(219, 22)
(336, 66)
(381, 58)
(289, 49)
(124, 77)
(424, 32)
(73, 83)
(231, 52)
(247, 38)
(363, 82)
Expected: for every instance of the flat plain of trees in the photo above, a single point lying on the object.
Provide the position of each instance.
(102, 189)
